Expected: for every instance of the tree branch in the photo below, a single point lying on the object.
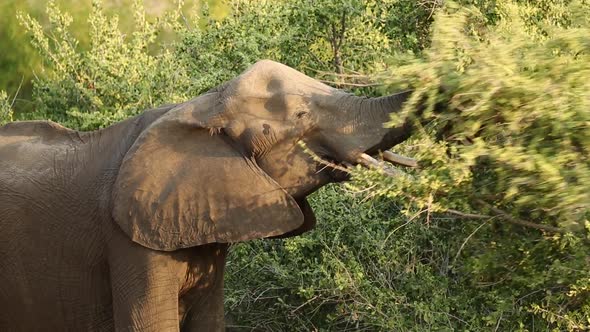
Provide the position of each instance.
(336, 40)
(506, 217)
(342, 29)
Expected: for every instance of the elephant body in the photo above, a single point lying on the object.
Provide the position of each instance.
(127, 228)
(65, 264)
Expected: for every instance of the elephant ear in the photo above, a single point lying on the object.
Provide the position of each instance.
(180, 186)
(308, 223)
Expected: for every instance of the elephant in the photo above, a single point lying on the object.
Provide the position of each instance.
(127, 228)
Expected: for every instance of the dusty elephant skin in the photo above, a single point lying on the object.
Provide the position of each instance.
(127, 228)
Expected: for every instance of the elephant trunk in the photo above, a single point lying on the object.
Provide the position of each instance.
(368, 117)
(355, 125)
(378, 112)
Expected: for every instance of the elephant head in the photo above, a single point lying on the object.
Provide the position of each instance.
(235, 163)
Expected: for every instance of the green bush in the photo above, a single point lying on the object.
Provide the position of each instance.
(19, 63)
(510, 150)
(517, 115)
(114, 78)
(365, 267)
(5, 108)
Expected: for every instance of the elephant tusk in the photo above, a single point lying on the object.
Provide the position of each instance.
(400, 160)
(370, 162)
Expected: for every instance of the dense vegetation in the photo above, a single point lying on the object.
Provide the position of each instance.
(491, 233)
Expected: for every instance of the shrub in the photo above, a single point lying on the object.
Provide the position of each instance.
(5, 108)
(114, 78)
(510, 150)
(515, 132)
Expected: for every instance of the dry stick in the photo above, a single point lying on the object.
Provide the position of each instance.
(467, 215)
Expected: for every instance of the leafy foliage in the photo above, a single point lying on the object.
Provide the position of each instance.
(5, 108)
(367, 268)
(316, 37)
(512, 144)
(111, 80)
(519, 111)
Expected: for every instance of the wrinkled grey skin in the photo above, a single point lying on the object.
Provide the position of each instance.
(127, 228)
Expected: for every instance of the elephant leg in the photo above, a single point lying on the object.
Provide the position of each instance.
(145, 287)
(203, 304)
(206, 313)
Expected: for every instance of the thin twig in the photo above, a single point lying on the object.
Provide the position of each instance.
(304, 304)
(499, 320)
(398, 227)
(318, 159)
(17, 92)
(466, 240)
(352, 84)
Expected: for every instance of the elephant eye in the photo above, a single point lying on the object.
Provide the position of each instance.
(301, 114)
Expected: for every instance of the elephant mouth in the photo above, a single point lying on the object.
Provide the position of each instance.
(387, 156)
